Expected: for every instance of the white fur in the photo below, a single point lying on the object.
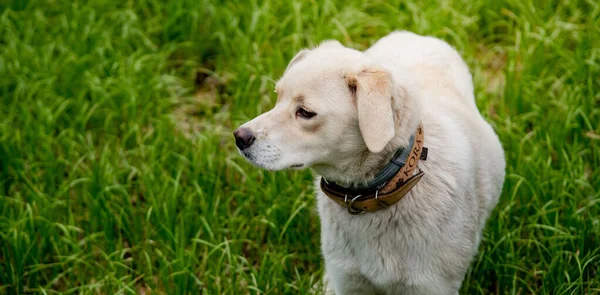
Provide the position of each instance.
(424, 243)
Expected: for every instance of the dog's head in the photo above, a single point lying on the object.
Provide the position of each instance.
(333, 104)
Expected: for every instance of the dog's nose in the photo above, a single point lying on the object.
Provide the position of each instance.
(243, 138)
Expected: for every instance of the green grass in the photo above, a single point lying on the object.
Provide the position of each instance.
(119, 174)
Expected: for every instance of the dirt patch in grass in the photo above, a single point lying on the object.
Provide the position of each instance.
(206, 109)
(494, 63)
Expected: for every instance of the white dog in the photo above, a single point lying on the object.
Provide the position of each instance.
(354, 118)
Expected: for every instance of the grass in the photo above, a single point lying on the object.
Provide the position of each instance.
(119, 175)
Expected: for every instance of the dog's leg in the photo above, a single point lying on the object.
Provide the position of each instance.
(339, 282)
(441, 287)
(327, 287)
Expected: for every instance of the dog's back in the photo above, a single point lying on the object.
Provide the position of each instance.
(442, 75)
(432, 63)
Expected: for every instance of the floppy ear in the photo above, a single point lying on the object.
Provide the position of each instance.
(300, 55)
(372, 89)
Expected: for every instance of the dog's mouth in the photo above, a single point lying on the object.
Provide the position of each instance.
(266, 161)
(247, 155)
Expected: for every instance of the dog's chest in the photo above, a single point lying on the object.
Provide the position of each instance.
(385, 248)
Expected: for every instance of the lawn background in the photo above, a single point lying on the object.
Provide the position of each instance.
(119, 174)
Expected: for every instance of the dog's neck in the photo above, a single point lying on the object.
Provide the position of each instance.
(361, 168)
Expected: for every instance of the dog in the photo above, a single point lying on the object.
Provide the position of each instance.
(359, 119)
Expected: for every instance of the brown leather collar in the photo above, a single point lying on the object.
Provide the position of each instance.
(361, 201)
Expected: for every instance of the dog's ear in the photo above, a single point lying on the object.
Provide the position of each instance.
(372, 90)
(299, 56)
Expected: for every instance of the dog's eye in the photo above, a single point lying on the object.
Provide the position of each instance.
(305, 114)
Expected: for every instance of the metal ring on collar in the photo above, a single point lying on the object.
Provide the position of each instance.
(350, 205)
